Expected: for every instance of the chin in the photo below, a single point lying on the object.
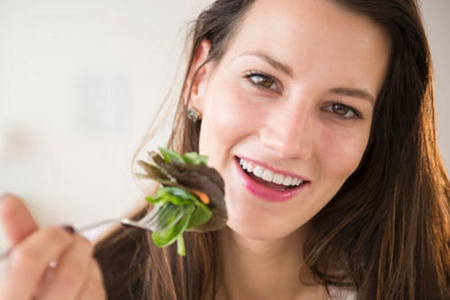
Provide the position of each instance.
(260, 230)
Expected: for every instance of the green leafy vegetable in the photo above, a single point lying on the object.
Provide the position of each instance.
(191, 189)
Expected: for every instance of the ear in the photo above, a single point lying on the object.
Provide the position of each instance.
(197, 79)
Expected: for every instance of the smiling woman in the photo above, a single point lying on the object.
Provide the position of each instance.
(318, 114)
(284, 105)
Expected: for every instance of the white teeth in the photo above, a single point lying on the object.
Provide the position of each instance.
(287, 180)
(258, 171)
(250, 166)
(269, 175)
(247, 165)
(278, 179)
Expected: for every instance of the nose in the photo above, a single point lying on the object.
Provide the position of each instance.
(289, 131)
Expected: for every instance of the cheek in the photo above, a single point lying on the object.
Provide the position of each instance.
(341, 152)
(227, 118)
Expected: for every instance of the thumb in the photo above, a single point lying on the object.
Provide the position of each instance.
(16, 219)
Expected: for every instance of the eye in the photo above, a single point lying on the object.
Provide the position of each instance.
(262, 80)
(343, 111)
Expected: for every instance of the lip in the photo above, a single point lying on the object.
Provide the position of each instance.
(265, 193)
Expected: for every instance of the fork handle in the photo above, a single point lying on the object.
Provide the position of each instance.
(79, 230)
(96, 225)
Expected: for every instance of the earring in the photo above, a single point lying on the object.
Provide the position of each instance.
(193, 115)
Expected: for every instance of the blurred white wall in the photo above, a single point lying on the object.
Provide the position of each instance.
(80, 82)
(437, 22)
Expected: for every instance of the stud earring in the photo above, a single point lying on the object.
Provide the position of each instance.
(193, 115)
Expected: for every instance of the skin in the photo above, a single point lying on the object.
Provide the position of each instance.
(291, 123)
(28, 275)
(314, 55)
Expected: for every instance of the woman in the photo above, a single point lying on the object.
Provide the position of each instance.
(319, 116)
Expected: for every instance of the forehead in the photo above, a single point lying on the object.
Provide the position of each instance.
(312, 35)
(283, 22)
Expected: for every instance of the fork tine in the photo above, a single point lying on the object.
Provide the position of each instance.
(164, 220)
(157, 219)
(153, 214)
(163, 214)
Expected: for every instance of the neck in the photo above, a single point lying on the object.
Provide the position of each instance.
(255, 269)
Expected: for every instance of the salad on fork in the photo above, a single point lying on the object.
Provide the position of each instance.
(191, 193)
(190, 198)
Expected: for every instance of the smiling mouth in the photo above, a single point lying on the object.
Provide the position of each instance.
(268, 177)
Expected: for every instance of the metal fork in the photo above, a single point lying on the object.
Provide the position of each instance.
(159, 218)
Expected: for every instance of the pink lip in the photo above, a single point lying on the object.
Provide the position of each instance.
(265, 193)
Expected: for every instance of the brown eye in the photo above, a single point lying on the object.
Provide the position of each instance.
(343, 111)
(262, 81)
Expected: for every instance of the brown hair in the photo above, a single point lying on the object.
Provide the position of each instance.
(387, 231)
(133, 268)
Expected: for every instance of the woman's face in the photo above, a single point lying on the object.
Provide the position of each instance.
(287, 111)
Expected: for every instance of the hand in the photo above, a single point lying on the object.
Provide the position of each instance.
(51, 263)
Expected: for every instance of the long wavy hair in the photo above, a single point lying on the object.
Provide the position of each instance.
(386, 234)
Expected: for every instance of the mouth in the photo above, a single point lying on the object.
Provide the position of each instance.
(267, 183)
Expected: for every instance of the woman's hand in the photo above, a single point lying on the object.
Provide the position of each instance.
(51, 263)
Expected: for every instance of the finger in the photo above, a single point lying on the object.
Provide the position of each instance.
(28, 262)
(16, 219)
(70, 272)
(93, 286)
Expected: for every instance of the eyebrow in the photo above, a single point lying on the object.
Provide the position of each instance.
(271, 61)
(352, 92)
(345, 91)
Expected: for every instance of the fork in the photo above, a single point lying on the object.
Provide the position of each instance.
(162, 216)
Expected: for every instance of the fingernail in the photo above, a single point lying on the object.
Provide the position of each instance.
(69, 229)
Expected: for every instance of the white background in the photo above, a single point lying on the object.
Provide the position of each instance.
(80, 82)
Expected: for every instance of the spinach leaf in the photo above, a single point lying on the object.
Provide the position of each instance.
(185, 181)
